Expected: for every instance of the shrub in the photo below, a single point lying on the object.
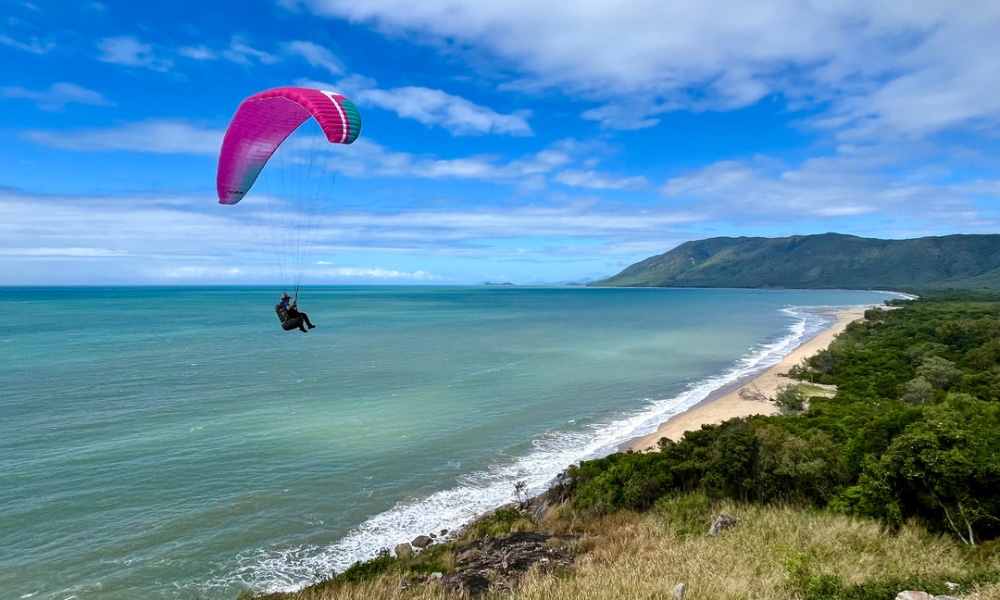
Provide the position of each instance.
(790, 399)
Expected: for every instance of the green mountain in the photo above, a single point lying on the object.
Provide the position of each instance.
(826, 261)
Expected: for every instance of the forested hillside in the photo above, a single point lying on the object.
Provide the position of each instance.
(822, 261)
(912, 433)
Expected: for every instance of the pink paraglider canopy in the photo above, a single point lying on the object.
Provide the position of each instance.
(263, 121)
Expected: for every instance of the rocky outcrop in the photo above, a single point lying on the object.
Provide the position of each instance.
(497, 564)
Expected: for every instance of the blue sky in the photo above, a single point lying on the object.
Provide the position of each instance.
(524, 141)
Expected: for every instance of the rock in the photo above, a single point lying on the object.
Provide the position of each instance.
(723, 522)
(421, 541)
(437, 576)
(497, 564)
(468, 555)
(679, 590)
(403, 550)
(913, 595)
(945, 598)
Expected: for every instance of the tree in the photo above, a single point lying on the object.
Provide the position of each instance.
(940, 372)
(917, 391)
(791, 400)
(942, 469)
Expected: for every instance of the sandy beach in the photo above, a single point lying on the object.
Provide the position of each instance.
(728, 405)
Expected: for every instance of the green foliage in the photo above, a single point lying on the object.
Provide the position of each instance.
(368, 570)
(943, 470)
(791, 400)
(361, 571)
(500, 522)
(912, 433)
(941, 373)
(433, 558)
(917, 391)
(806, 583)
(689, 514)
(623, 481)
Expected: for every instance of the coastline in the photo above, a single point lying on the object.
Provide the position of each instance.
(726, 403)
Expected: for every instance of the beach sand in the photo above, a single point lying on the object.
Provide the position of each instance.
(716, 409)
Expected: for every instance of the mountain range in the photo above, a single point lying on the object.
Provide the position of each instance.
(826, 261)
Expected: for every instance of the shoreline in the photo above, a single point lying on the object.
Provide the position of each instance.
(725, 403)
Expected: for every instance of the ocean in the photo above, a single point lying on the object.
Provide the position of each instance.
(175, 443)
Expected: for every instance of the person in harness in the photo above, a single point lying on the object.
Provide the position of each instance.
(290, 316)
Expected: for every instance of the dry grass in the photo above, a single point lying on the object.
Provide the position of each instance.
(988, 592)
(642, 557)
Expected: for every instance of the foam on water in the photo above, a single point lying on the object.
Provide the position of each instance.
(289, 569)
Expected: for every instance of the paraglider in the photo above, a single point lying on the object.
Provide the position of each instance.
(264, 120)
(290, 317)
(262, 123)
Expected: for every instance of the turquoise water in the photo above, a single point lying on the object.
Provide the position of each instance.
(165, 443)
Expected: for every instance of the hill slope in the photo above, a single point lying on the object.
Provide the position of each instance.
(824, 261)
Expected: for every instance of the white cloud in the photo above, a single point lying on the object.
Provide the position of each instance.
(315, 55)
(242, 53)
(455, 114)
(599, 181)
(64, 252)
(58, 96)
(34, 45)
(883, 68)
(238, 51)
(375, 273)
(74, 238)
(623, 116)
(158, 136)
(128, 51)
(833, 190)
(366, 158)
(430, 107)
(201, 52)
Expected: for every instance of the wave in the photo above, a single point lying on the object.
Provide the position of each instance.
(290, 569)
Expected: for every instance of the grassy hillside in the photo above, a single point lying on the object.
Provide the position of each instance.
(822, 261)
(773, 552)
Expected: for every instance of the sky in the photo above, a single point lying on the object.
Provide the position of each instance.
(533, 142)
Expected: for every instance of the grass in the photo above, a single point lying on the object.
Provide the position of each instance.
(773, 553)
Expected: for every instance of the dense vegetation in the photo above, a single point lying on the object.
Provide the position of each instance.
(913, 432)
(892, 484)
(822, 261)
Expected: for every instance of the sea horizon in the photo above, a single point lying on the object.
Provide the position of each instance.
(173, 442)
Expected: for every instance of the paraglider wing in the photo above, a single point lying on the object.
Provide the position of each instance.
(264, 120)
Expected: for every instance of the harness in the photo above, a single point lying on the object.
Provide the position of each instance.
(287, 323)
